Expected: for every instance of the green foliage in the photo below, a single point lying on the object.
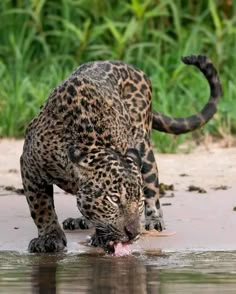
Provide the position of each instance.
(42, 41)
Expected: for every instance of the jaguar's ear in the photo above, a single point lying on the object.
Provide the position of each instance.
(75, 155)
(135, 156)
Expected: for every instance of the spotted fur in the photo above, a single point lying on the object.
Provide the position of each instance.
(92, 139)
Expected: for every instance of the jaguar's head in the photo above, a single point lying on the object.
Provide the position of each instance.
(110, 194)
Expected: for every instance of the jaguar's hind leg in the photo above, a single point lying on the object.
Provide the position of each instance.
(153, 211)
(80, 223)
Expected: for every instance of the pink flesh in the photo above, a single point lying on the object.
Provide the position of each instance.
(122, 249)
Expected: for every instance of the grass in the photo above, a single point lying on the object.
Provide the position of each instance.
(42, 41)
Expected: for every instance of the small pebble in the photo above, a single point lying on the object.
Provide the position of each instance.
(184, 175)
(13, 171)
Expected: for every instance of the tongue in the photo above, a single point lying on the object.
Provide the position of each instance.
(122, 249)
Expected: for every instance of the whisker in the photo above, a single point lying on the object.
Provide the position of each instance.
(113, 229)
(107, 232)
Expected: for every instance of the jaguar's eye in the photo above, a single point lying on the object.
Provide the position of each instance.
(114, 199)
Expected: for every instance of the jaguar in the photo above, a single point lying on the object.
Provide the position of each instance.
(91, 138)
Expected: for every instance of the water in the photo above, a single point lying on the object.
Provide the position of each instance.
(174, 272)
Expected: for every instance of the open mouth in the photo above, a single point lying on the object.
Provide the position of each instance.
(111, 244)
(118, 248)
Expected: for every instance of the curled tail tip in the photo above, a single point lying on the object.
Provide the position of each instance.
(198, 60)
(208, 69)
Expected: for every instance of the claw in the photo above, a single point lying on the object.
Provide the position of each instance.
(158, 227)
(68, 224)
(156, 223)
(76, 223)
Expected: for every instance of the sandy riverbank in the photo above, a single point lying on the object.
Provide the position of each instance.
(201, 221)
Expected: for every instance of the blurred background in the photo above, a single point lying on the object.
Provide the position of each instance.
(43, 41)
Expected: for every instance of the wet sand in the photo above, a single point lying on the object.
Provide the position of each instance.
(200, 221)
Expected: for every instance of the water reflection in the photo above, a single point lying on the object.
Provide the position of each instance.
(44, 275)
(209, 272)
(93, 275)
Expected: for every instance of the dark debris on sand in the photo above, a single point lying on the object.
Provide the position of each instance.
(221, 187)
(163, 188)
(193, 188)
(19, 191)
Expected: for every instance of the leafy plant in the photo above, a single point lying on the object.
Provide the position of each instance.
(42, 41)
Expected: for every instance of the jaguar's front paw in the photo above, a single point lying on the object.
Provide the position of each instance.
(51, 242)
(97, 241)
(76, 223)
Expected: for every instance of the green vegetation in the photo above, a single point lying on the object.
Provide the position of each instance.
(42, 41)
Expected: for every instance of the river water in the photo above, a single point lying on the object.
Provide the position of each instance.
(171, 272)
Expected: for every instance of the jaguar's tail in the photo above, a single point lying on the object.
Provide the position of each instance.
(178, 126)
